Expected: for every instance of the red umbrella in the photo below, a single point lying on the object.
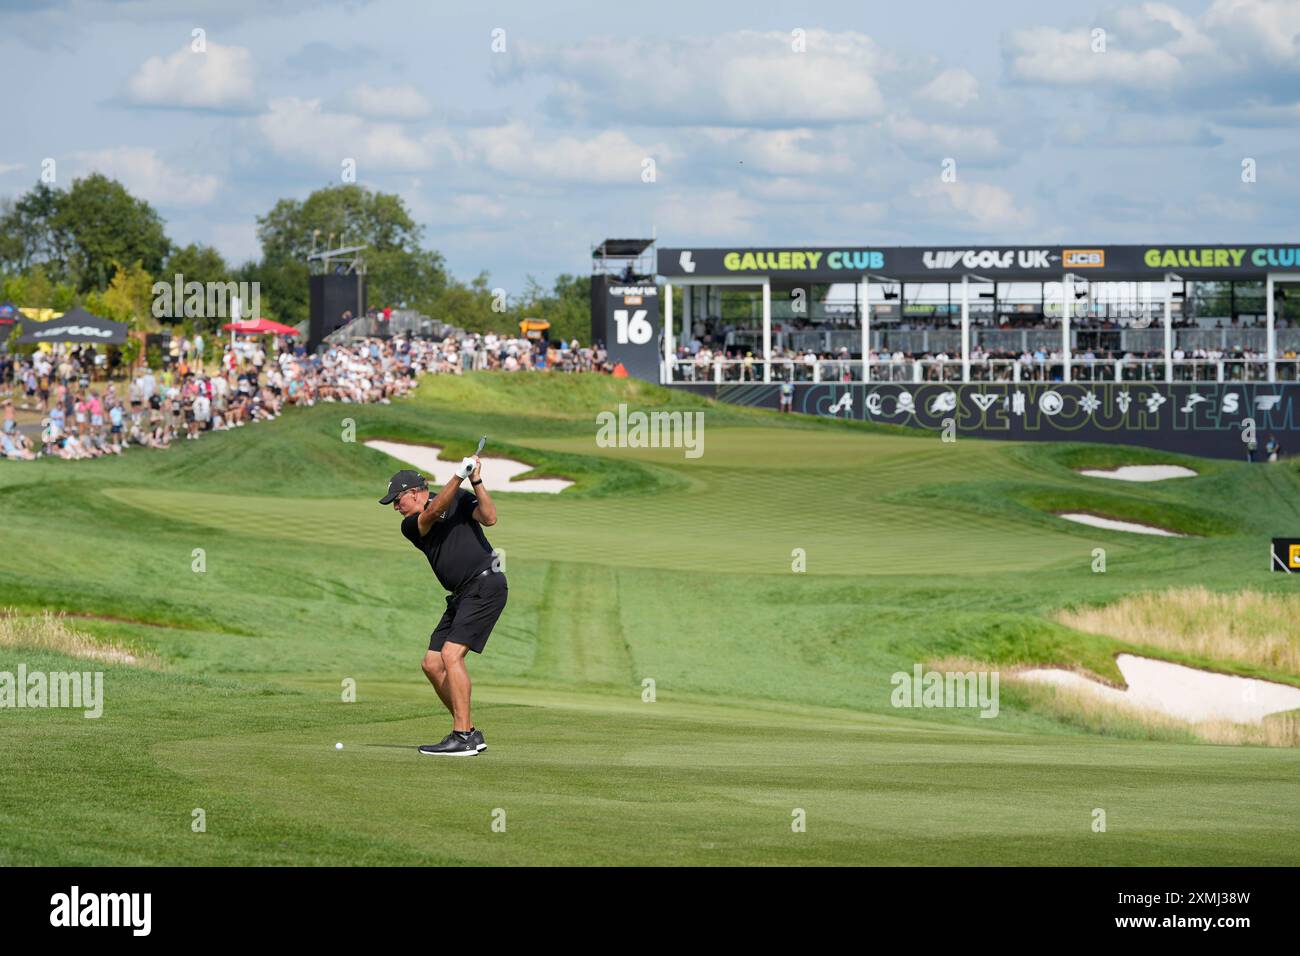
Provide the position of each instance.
(259, 327)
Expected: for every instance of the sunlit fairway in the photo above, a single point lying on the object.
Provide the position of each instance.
(771, 689)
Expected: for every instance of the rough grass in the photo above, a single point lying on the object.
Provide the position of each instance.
(1246, 626)
(50, 631)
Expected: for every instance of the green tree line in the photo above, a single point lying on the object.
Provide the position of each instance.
(94, 244)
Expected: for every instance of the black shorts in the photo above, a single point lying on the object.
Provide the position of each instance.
(471, 614)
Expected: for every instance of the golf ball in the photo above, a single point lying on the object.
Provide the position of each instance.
(338, 746)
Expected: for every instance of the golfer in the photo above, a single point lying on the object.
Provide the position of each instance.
(448, 528)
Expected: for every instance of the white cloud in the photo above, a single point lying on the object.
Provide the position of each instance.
(1155, 48)
(1258, 28)
(955, 88)
(696, 216)
(144, 174)
(931, 140)
(968, 204)
(744, 78)
(390, 102)
(782, 152)
(219, 79)
(9, 167)
(607, 157)
(1065, 58)
(301, 130)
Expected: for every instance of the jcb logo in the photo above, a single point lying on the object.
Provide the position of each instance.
(1293, 559)
(1084, 258)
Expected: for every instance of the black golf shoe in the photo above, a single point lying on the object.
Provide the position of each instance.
(453, 745)
(476, 738)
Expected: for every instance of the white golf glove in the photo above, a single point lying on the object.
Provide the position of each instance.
(466, 467)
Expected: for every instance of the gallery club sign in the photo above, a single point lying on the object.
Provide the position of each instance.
(1262, 257)
(803, 260)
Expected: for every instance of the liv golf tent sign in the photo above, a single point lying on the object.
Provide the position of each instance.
(75, 326)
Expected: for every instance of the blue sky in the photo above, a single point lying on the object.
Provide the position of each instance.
(768, 123)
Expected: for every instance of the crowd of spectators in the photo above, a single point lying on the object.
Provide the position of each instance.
(86, 413)
(707, 364)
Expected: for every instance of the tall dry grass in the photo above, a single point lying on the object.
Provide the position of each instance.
(1247, 626)
(50, 631)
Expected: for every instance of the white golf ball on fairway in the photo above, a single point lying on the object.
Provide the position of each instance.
(339, 745)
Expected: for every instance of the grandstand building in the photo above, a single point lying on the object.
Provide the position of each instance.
(1172, 342)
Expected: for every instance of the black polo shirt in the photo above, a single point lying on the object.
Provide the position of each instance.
(455, 545)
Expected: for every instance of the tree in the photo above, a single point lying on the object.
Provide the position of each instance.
(35, 290)
(30, 233)
(398, 268)
(195, 263)
(105, 225)
(128, 298)
(567, 306)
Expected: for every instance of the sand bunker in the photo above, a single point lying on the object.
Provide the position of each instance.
(1113, 524)
(497, 472)
(1182, 692)
(1143, 473)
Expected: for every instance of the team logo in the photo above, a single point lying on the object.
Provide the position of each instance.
(1051, 402)
(984, 400)
(943, 402)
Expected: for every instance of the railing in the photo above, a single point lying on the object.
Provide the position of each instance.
(367, 326)
(889, 338)
(921, 371)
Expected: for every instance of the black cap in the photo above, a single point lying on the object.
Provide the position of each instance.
(400, 482)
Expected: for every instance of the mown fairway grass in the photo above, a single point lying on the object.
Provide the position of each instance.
(772, 688)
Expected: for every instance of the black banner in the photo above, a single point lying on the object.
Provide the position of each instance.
(1214, 420)
(1011, 263)
(327, 906)
(626, 319)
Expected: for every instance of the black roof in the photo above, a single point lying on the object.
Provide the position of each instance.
(621, 248)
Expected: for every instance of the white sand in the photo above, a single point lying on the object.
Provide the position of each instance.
(1112, 524)
(1143, 473)
(497, 472)
(1183, 692)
